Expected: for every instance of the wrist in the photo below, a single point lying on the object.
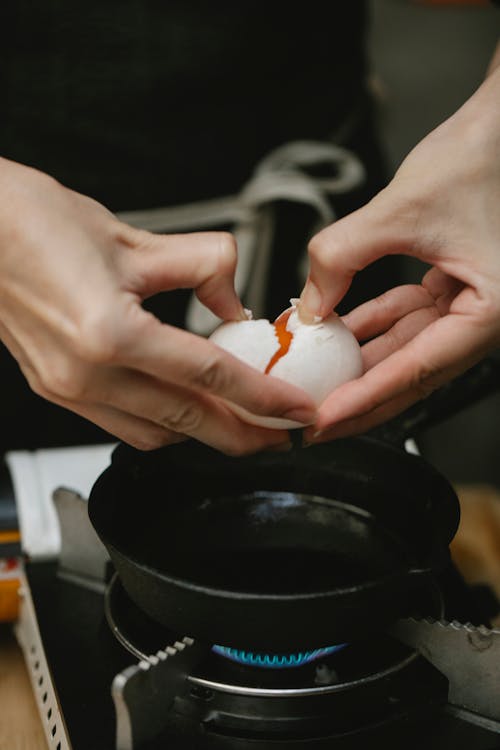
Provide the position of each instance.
(20, 187)
(495, 61)
(480, 117)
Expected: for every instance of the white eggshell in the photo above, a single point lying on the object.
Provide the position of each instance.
(321, 356)
(252, 341)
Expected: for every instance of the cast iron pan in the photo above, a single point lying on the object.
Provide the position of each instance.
(280, 551)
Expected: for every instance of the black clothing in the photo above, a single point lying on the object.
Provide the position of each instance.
(141, 103)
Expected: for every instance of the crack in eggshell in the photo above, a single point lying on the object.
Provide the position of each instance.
(284, 337)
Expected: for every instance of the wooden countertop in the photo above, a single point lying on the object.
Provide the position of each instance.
(475, 549)
(20, 724)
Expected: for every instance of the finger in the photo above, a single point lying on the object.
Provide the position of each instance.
(12, 344)
(443, 350)
(396, 337)
(360, 425)
(338, 252)
(177, 410)
(181, 358)
(140, 433)
(136, 431)
(380, 314)
(442, 287)
(204, 261)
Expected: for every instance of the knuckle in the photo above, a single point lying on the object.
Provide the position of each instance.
(104, 336)
(323, 248)
(186, 419)
(372, 405)
(36, 384)
(317, 248)
(236, 451)
(239, 446)
(149, 442)
(137, 238)
(212, 375)
(394, 337)
(383, 302)
(427, 380)
(95, 341)
(488, 309)
(63, 379)
(227, 254)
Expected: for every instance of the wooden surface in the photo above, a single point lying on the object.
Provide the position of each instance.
(475, 550)
(20, 725)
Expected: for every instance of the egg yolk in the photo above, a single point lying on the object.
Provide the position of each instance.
(284, 338)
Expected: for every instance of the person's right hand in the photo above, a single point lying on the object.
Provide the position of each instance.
(72, 279)
(443, 208)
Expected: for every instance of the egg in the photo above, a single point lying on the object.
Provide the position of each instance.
(316, 357)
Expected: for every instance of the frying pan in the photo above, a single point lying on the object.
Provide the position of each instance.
(280, 551)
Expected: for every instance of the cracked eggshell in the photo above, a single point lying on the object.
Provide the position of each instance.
(321, 356)
(252, 341)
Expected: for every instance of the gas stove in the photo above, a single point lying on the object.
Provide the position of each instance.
(107, 677)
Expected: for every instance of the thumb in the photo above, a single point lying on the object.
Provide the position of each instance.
(342, 249)
(203, 261)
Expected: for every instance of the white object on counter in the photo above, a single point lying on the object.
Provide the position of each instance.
(35, 475)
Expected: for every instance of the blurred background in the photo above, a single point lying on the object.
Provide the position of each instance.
(427, 59)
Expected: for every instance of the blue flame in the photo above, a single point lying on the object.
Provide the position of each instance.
(275, 661)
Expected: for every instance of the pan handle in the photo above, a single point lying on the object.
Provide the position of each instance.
(477, 383)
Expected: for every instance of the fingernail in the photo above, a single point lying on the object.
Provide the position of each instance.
(312, 438)
(323, 436)
(317, 439)
(304, 416)
(310, 303)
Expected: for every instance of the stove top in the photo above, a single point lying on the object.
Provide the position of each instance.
(326, 703)
(107, 677)
(337, 690)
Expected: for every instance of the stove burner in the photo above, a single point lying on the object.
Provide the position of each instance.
(275, 661)
(142, 636)
(353, 689)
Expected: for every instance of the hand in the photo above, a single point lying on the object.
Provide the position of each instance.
(442, 207)
(72, 278)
